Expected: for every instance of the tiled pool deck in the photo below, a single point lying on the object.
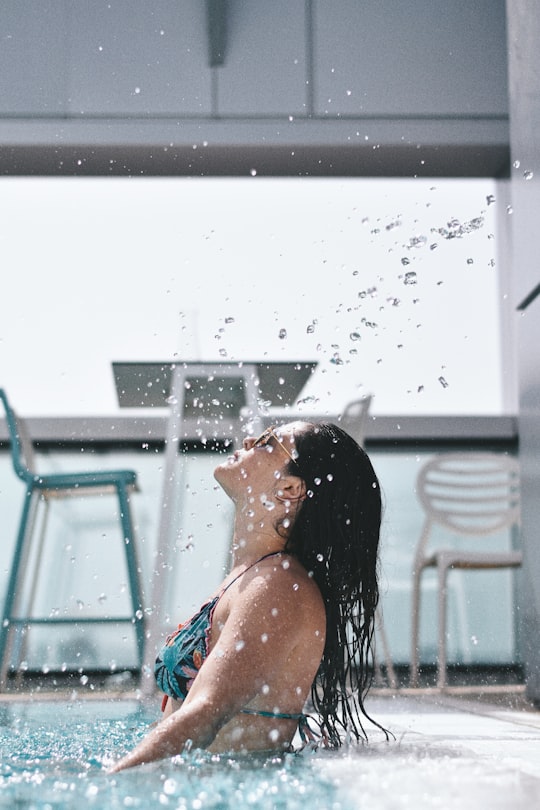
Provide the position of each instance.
(491, 743)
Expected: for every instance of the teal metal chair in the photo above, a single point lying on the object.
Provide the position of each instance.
(43, 488)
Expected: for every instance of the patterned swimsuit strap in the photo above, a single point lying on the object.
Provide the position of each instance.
(306, 732)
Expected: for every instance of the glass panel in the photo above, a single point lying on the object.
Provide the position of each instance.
(84, 571)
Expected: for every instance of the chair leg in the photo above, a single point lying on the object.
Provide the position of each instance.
(13, 592)
(415, 628)
(442, 570)
(390, 671)
(20, 649)
(133, 570)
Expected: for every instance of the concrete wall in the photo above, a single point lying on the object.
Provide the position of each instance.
(524, 72)
(395, 87)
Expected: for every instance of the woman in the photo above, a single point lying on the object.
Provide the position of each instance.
(296, 613)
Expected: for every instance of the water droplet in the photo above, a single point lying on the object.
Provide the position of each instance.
(230, 319)
(516, 164)
(470, 261)
(317, 481)
(295, 586)
(329, 477)
(443, 382)
(282, 334)
(253, 172)
(270, 505)
(355, 336)
(240, 645)
(310, 400)
(264, 638)
(137, 90)
(528, 175)
(405, 261)
(410, 277)
(320, 557)
(169, 787)
(490, 199)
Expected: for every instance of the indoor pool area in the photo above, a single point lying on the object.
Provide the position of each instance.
(451, 752)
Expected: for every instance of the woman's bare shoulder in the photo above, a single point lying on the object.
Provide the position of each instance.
(280, 580)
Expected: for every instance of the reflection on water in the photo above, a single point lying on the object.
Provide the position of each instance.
(53, 756)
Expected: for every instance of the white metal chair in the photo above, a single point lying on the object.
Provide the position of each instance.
(381, 638)
(354, 419)
(472, 495)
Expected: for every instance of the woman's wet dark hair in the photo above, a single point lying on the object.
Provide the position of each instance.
(335, 536)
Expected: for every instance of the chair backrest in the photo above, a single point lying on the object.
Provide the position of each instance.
(354, 418)
(471, 493)
(22, 453)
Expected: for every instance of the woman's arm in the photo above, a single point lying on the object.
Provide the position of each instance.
(198, 722)
(260, 631)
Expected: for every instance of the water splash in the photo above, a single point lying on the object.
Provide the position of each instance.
(456, 230)
(417, 241)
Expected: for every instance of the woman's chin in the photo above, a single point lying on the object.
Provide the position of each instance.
(225, 474)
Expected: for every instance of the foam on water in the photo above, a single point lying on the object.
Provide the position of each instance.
(54, 756)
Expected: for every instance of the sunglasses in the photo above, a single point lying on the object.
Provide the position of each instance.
(264, 439)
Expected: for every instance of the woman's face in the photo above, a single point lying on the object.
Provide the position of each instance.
(257, 468)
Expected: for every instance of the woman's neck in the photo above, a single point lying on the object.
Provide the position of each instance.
(253, 538)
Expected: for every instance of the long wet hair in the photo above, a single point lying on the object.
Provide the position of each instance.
(335, 536)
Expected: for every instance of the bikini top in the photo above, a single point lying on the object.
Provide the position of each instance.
(185, 650)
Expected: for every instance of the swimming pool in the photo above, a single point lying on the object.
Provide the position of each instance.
(53, 756)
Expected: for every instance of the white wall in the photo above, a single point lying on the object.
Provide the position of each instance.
(96, 270)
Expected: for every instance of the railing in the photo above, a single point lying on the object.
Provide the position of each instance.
(397, 446)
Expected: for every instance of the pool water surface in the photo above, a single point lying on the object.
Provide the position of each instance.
(54, 755)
